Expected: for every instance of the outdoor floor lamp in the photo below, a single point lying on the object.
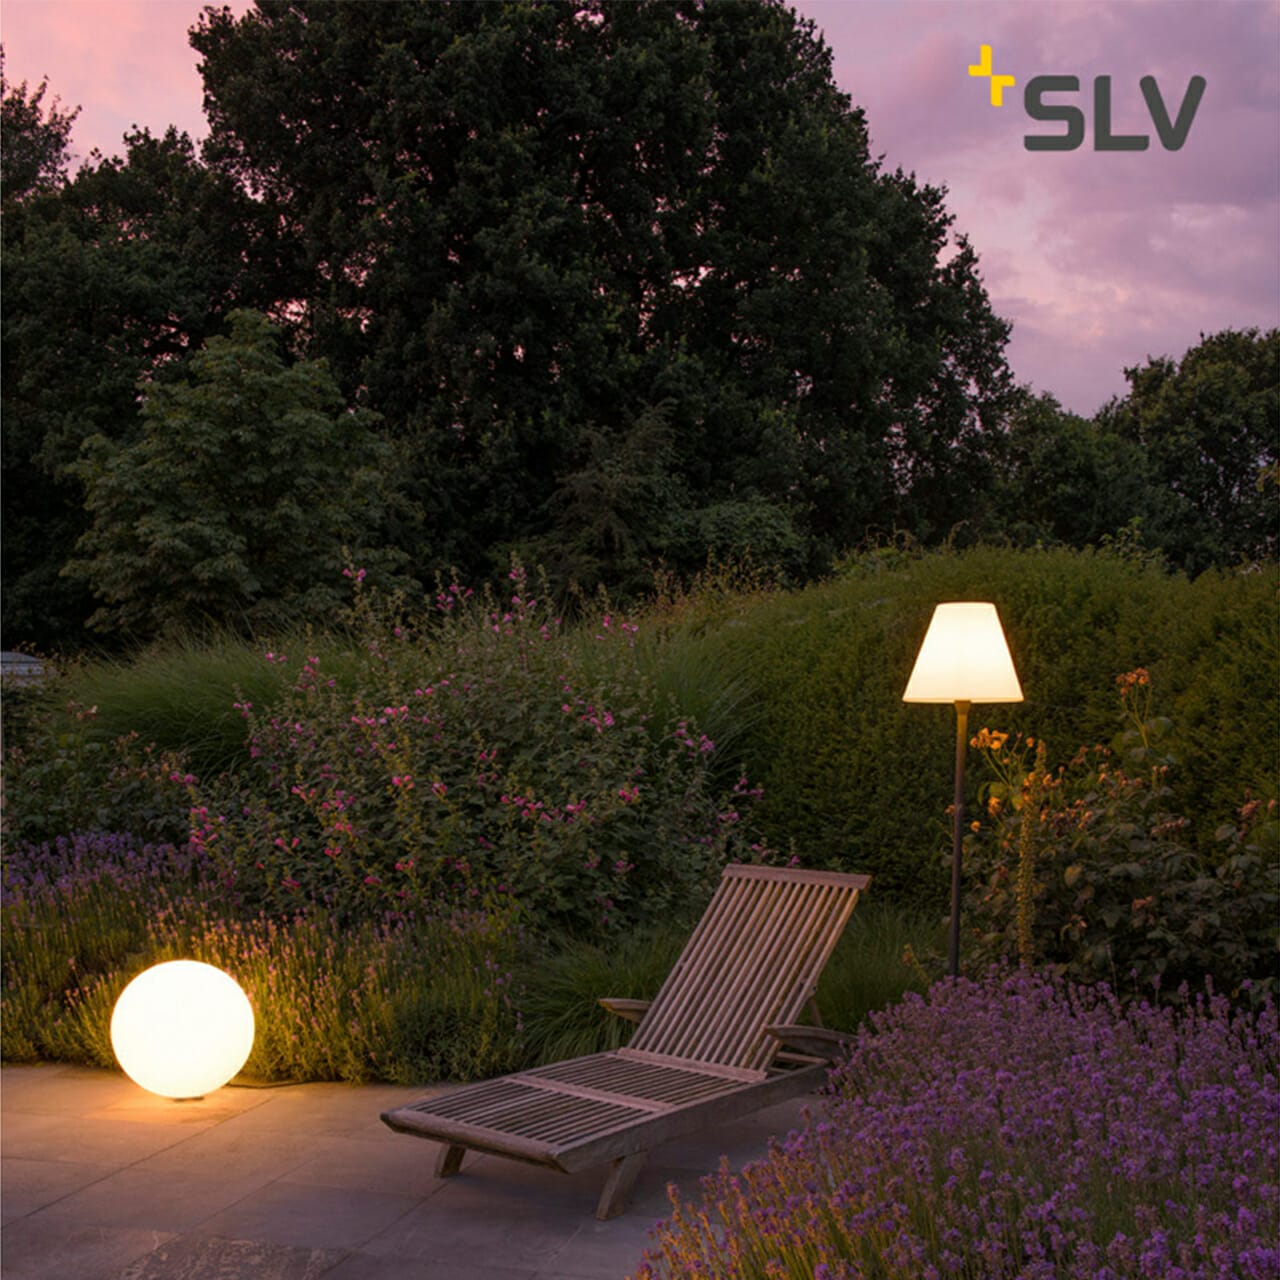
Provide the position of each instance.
(964, 659)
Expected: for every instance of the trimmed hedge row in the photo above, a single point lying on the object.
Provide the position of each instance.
(853, 777)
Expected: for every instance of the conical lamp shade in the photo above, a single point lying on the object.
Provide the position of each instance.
(964, 658)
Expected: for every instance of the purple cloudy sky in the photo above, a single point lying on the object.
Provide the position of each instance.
(1099, 259)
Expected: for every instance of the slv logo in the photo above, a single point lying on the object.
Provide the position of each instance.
(1172, 131)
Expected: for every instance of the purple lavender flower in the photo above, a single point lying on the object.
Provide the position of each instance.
(1016, 1127)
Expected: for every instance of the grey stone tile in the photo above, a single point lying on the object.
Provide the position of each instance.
(366, 1266)
(385, 1162)
(22, 1132)
(216, 1258)
(487, 1221)
(31, 1184)
(137, 1104)
(175, 1200)
(334, 1109)
(236, 1152)
(35, 1250)
(289, 1213)
(61, 1089)
(601, 1250)
(81, 1141)
(303, 1181)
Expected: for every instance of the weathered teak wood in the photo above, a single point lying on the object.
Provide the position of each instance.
(709, 1048)
(617, 1186)
(629, 1010)
(821, 1042)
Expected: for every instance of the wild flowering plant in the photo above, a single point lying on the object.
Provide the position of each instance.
(61, 777)
(1087, 869)
(480, 753)
(72, 909)
(1101, 1142)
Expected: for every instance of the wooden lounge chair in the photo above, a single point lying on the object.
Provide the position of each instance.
(720, 1040)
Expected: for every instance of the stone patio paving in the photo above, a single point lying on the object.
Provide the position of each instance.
(102, 1181)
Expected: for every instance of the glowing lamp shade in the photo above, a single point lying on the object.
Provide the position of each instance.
(964, 658)
(182, 1029)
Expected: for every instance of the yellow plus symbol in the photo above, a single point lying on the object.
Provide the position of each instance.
(997, 82)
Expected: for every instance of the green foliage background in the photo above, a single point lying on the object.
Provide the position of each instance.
(801, 691)
(856, 778)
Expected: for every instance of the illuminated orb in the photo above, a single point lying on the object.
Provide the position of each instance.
(182, 1029)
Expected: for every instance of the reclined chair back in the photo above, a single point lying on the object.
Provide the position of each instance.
(753, 961)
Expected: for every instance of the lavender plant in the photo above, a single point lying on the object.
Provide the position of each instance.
(405, 999)
(1018, 1127)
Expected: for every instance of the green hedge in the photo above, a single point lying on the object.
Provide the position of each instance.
(855, 778)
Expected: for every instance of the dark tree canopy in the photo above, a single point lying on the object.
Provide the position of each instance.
(33, 140)
(1065, 480)
(520, 229)
(240, 497)
(1209, 427)
(109, 278)
(622, 283)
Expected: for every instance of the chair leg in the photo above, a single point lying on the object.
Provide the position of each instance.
(449, 1161)
(617, 1186)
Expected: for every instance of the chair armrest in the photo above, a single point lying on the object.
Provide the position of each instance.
(630, 1010)
(820, 1042)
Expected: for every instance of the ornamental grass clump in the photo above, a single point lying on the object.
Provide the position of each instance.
(1017, 1127)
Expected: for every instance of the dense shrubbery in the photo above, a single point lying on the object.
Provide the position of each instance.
(1015, 1127)
(487, 753)
(854, 778)
(63, 777)
(408, 999)
(1089, 870)
(461, 995)
(489, 774)
(475, 788)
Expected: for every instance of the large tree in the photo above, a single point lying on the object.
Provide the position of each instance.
(1209, 427)
(1068, 480)
(33, 140)
(524, 230)
(109, 277)
(246, 488)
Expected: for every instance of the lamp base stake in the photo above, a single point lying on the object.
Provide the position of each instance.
(962, 745)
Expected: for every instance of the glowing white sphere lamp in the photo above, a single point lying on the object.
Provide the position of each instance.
(182, 1029)
(964, 658)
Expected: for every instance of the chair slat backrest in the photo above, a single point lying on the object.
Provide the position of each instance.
(753, 960)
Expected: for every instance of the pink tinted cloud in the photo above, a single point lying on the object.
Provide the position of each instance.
(1098, 259)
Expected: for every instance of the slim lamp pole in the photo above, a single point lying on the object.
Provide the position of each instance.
(964, 658)
(962, 744)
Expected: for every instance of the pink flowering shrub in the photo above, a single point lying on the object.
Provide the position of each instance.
(483, 752)
(1018, 1127)
(62, 776)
